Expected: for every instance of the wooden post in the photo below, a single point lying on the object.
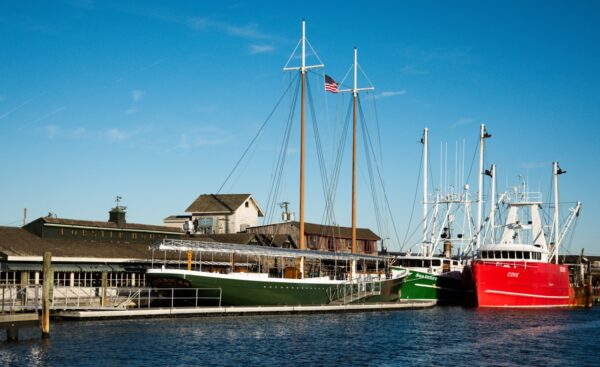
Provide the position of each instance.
(46, 291)
(12, 334)
(24, 216)
(104, 284)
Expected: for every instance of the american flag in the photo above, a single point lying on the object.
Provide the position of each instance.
(330, 84)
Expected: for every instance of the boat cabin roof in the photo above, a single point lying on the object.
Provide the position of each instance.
(252, 250)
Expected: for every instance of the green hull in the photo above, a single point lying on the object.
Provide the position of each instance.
(242, 292)
(430, 287)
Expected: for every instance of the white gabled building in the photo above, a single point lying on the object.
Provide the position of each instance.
(219, 213)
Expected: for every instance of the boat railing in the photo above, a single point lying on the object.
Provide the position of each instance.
(353, 291)
(16, 298)
(510, 264)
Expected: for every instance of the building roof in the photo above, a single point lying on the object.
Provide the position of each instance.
(220, 203)
(333, 231)
(21, 243)
(106, 225)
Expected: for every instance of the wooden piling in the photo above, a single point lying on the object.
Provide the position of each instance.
(104, 285)
(46, 290)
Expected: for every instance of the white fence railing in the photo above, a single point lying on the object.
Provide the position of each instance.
(28, 298)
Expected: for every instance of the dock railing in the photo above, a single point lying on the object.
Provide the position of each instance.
(353, 291)
(14, 298)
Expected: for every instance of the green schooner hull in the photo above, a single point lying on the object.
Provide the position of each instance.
(420, 286)
(255, 291)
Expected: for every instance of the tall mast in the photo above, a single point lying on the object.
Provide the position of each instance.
(493, 203)
(482, 136)
(302, 141)
(354, 91)
(354, 97)
(425, 148)
(556, 171)
(302, 70)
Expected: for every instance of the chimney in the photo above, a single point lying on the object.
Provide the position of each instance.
(117, 216)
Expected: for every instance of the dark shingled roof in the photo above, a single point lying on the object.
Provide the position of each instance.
(333, 231)
(339, 232)
(20, 242)
(109, 225)
(219, 203)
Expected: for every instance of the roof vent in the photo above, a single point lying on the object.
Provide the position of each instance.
(117, 214)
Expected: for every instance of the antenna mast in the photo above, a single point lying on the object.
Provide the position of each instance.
(483, 134)
(425, 148)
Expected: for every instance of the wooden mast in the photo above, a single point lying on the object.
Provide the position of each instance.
(354, 91)
(302, 69)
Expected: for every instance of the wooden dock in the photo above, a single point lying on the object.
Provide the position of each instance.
(232, 311)
(13, 322)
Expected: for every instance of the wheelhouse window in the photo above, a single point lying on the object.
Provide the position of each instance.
(497, 255)
(505, 254)
(526, 255)
(519, 254)
(484, 254)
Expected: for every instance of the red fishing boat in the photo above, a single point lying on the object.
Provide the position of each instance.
(522, 270)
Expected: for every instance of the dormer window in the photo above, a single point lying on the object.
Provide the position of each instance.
(247, 204)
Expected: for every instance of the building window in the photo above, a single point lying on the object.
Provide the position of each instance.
(134, 236)
(312, 241)
(331, 244)
(247, 205)
(83, 233)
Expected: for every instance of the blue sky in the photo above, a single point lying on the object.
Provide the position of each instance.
(155, 101)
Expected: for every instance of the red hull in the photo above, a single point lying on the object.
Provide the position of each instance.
(521, 284)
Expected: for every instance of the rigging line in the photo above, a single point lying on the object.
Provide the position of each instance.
(370, 171)
(314, 52)
(293, 53)
(412, 211)
(473, 160)
(340, 153)
(384, 190)
(320, 156)
(256, 136)
(365, 75)
(275, 188)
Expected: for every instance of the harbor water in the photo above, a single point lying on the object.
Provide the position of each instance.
(444, 336)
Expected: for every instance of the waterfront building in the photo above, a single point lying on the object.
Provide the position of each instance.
(218, 214)
(324, 238)
(84, 251)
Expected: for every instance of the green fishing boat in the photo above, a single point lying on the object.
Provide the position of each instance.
(427, 281)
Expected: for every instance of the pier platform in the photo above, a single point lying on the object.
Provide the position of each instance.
(232, 311)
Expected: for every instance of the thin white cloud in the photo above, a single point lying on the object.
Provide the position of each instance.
(534, 165)
(115, 135)
(79, 133)
(52, 131)
(82, 4)
(248, 31)
(208, 136)
(387, 94)
(44, 117)
(261, 49)
(22, 104)
(414, 70)
(463, 121)
(136, 96)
